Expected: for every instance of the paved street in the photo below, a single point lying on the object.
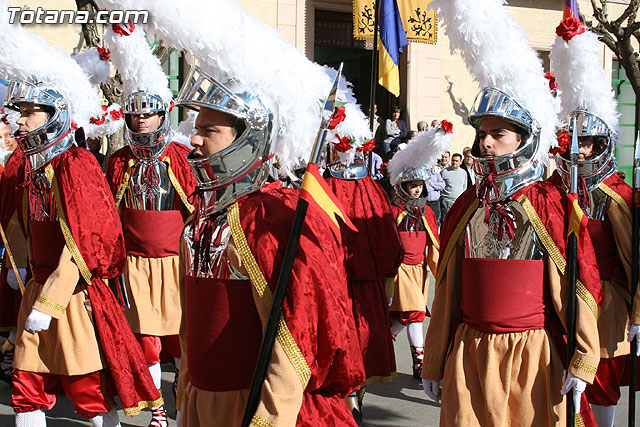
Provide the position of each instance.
(400, 403)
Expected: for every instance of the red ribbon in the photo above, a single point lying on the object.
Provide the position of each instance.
(124, 29)
(487, 184)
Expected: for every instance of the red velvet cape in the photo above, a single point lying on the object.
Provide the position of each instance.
(11, 195)
(372, 253)
(317, 308)
(177, 154)
(95, 227)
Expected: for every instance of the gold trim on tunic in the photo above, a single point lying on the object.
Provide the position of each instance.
(258, 421)
(177, 186)
(135, 410)
(442, 263)
(583, 366)
(66, 231)
(617, 198)
(51, 304)
(288, 343)
(554, 252)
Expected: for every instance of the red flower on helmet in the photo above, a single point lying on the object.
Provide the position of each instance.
(553, 86)
(447, 126)
(569, 28)
(171, 105)
(563, 143)
(368, 146)
(344, 145)
(117, 114)
(337, 118)
(96, 120)
(124, 29)
(104, 53)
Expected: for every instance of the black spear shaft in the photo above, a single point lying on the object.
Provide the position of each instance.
(635, 254)
(572, 266)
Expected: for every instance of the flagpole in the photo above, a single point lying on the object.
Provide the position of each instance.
(282, 283)
(374, 68)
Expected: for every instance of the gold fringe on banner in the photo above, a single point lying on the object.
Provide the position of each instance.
(419, 20)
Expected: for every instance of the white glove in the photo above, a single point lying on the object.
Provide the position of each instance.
(634, 333)
(12, 281)
(179, 418)
(389, 302)
(37, 321)
(571, 382)
(432, 389)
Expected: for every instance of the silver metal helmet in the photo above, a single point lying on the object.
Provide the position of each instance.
(54, 137)
(356, 169)
(603, 163)
(515, 170)
(244, 166)
(403, 198)
(146, 145)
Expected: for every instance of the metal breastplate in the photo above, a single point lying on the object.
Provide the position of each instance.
(597, 204)
(150, 187)
(213, 256)
(481, 239)
(42, 205)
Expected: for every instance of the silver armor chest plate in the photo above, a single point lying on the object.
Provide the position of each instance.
(42, 205)
(481, 239)
(597, 204)
(150, 187)
(213, 255)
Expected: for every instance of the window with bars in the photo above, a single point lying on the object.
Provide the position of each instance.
(628, 108)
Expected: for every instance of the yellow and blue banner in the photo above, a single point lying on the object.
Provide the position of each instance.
(393, 38)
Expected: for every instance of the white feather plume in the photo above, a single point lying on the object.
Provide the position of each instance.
(497, 53)
(139, 67)
(186, 129)
(28, 57)
(93, 66)
(424, 150)
(228, 42)
(110, 124)
(10, 116)
(355, 124)
(581, 80)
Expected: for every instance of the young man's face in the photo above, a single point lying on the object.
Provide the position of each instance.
(32, 117)
(445, 159)
(455, 162)
(214, 132)
(414, 188)
(497, 137)
(586, 148)
(145, 123)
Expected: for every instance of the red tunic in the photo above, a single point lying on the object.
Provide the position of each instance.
(372, 253)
